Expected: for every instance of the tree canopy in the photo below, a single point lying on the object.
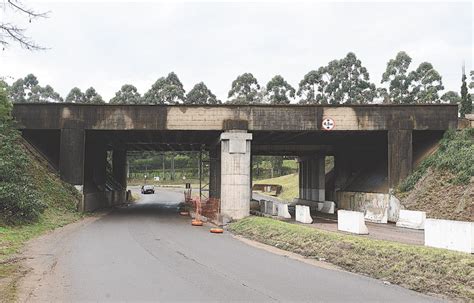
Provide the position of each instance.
(244, 90)
(200, 94)
(279, 91)
(425, 83)
(28, 90)
(167, 90)
(128, 94)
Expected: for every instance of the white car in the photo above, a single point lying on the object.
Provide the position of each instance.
(148, 189)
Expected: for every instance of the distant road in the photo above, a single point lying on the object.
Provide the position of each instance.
(146, 252)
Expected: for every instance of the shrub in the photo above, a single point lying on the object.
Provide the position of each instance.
(19, 200)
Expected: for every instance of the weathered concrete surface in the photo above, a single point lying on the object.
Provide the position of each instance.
(302, 214)
(235, 174)
(412, 219)
(274, 117)
(453, 235)
(376, 215)
(352, 222)
(360, 201)
(148, 253)
(283, 211)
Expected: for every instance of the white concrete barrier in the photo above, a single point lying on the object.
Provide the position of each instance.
(270, 208)
(376, 215)
(320, 206)
(453, 235)
(394, 207)
(411, 219)
(328, 207)
(262, 206)
(302, 214)
(283, 211)
(351, 221)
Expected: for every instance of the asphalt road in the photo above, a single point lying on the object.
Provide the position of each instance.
(146, 252)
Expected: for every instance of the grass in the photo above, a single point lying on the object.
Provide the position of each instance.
(423, 269)
(289, 185)
(61, 200)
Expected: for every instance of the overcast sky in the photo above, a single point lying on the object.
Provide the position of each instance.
(109, 44)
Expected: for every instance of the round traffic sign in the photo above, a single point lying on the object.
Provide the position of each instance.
(328, 124)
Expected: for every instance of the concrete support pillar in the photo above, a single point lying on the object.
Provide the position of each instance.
(235, 174)
(215, 172)
(71, 157)
(309, 168)
(318, 178)
(119, 166)
(400, 156)
(312, 178)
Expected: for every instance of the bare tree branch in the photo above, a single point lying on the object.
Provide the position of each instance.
(10, 32)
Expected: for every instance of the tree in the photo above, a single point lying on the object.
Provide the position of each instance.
(128, 94)
(425, 83)
(279, 91)
(10, 32)
(75, 96)
(341, 81)
(200, 94)
(451, 97)
(355, 85)
(167, 90)
(244, 90)
(29, 90)
(466, 101)
(311, 89)
(5, 104)
(92, 97)
(396, 74)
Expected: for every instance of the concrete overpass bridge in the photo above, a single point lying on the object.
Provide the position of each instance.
(375, 146)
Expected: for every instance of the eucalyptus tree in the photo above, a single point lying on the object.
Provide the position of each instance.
(451, 97)
(397, 77)
(200, 94)
(245, 90)
(167, 90)
(279, 91)
(75, 96)
(128, 94)
(425, 84)
(341, 81)
(92, 97)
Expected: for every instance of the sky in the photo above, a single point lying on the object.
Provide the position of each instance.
(108, 44)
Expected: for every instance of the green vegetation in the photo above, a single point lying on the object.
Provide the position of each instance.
(289, 185)
(419, 268)
(32, 200)
(454, 155)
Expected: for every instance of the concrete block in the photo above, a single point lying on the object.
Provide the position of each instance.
(376, 215)
(320, 206)
(394, 207)
(262, 206)
(352, 222)
(303, 215)
(328, 207)
(452, 235)
(411, 219)
(283, 211)
(271, 208)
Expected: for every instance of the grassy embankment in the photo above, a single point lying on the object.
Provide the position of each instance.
(443, 184)
(423, 269)
(57, 200)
